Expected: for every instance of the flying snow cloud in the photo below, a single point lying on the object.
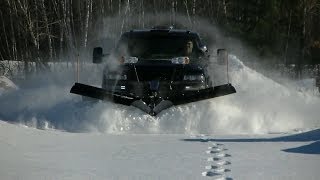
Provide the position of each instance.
(260, 105)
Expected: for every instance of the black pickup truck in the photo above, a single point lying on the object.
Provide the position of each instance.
(156, 69)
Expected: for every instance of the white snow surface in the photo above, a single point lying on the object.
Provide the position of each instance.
(265, 131)
(28, 153)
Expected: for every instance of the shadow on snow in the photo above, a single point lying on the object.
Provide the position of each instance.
(313, 148)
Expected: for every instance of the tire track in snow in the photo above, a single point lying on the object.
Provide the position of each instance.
(217, 162)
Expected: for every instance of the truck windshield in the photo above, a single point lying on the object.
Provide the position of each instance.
(157, 46)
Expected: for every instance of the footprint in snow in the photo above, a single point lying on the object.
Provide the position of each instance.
(223, 178)
(221, 163)
(216, 144)
(211, 167)
(210, 159)
(212, 151)
(222, 170)
(217, 148)
(215, 175)
(217, 169)
(217, 153)
(210, 173)
(220, 155)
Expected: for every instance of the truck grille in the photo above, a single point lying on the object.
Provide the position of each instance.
(150, 74)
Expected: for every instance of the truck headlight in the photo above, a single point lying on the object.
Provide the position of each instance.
(180, 60)
(130, 60)
(193, 77)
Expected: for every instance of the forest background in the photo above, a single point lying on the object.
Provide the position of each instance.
(282, 33)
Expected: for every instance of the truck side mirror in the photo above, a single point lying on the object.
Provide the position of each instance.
(97, 55)
(222, 55)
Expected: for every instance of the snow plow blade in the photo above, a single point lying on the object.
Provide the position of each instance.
(203, 94)
(102, 94)
(160, 106)
(152, 108)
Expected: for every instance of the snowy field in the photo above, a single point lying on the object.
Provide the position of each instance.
(28, 153)
(264, 131)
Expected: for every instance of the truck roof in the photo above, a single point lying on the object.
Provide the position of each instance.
(169, 31)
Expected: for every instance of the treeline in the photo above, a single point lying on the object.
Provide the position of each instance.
(48, 30)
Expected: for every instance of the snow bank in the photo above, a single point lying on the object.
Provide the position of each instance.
(260, 106)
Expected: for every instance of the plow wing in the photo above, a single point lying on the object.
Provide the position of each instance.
(203, 94)
(102, 94)
(152, 105)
